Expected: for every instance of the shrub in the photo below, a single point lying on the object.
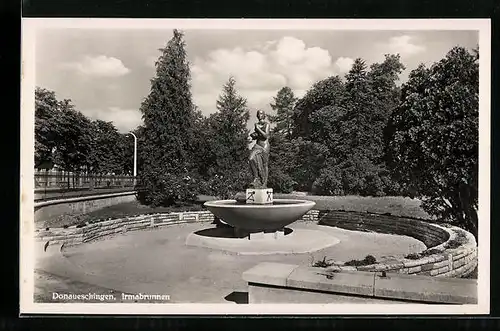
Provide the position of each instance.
(427, 252)
(323, 263)
(328, 183)
(280, 181)
(368, 260)
(458, 241)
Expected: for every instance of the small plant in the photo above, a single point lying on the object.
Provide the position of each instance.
(412, 256)
(65, 226)
(368, 260)
(427, 252)
(322, 263)
(452, 244)
(458, 241)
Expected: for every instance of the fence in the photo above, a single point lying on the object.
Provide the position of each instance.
(64, 180)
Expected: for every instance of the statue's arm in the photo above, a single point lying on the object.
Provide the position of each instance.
(263, 133)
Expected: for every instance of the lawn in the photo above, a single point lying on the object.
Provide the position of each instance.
(398, 206)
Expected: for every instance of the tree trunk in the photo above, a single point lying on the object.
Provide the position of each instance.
(468, 207)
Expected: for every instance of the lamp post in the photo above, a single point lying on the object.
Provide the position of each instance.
(135, 157)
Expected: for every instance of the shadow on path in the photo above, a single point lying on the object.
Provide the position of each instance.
(218, 232)
(227, 232)
(237, 297)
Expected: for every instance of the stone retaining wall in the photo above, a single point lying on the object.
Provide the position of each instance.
(311, 216)
(93, 231)
(79, 205)
(451, 251)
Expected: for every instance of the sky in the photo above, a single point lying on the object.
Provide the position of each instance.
(107, 73)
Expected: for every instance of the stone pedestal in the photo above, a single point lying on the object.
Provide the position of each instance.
(266, 235)
(262, 235)
(260, 196)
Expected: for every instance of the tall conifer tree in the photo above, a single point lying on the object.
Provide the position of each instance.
(228, 142)
(168, 114)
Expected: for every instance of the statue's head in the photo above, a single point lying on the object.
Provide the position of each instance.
(261, 115)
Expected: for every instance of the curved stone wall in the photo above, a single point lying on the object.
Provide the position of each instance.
(451, 251)
(92, 231)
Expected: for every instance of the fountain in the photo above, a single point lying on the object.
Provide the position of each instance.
(257, 214)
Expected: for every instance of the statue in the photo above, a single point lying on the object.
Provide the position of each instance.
(259, 155)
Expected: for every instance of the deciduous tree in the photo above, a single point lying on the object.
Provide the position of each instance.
(106, 154)
(432, 139)
(74, 138)
(324, 93)
(46, 127)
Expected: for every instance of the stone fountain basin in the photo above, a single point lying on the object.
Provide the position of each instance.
(256, 218)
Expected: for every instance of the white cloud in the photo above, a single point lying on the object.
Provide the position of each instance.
(123, 119)
(259, 72)
(404, 45)
(102, 66)
(344, 64)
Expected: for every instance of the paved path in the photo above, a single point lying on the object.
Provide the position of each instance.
(159, 262)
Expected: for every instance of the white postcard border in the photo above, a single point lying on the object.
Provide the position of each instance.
(31, 25)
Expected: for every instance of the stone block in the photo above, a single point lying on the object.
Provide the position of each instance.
(412, 263)
(458, 255)
(441, 264)
(285, 295)
(404, 271)
(350, 283)
(439, 258)
(427, 267)
(426, 289)
(269, 273)
(458, 263)
(461, 270)
(259, 196)
(450, 261)
(443, 270)
(414, 270)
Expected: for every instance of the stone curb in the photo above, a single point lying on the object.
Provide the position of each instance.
(393, 286)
